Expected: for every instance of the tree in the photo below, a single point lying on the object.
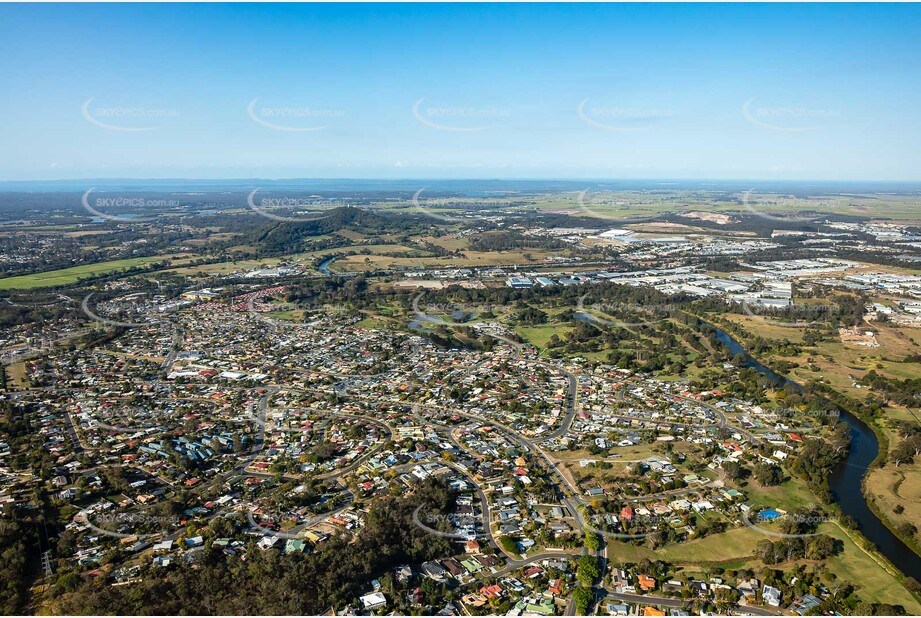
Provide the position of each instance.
(906, 529)
(592, 541)
(508, 544)
(334, 574)
(583, 599)
(587, 570)
(768, 475)
(734, 470)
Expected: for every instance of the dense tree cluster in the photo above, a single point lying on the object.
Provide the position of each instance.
(817, 457)
(903, 392)
(817, 547)
(907, 450)
(508, 240)
(16, 545)
(269, 583)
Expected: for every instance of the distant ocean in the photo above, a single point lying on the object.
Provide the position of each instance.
(472, 186)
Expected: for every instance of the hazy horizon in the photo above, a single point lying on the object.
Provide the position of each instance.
(357, 182)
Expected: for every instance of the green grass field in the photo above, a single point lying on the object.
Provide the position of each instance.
(66, 276)
(622, 204)
(732, 547)
(540, 335)
(873, 581)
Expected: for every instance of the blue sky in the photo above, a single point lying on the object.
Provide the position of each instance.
(461, 91)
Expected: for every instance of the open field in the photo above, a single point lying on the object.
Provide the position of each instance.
(222, 268)
(84, 233)
(734, 548)
(873, 582)
(451, 243)
(67, 276)
(889, 487)
(375, 249)
(381, 323)
(766, 327)
(619, 456)
(732, 544)
(305, 257)
(893, 486)
(623, 204)
(792, 494)
(16, 376)
(540, 335)
(355, 263)
(841, 365)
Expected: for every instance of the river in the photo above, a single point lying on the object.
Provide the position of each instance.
(323, 266)
(846, 478)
